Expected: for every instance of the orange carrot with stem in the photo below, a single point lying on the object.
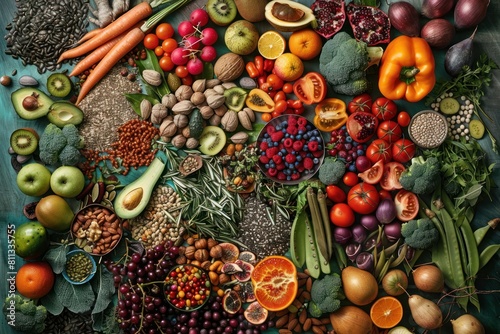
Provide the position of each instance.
(123, 23)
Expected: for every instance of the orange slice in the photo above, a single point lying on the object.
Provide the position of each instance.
(386, 312)
(271, 45)
(274, 281)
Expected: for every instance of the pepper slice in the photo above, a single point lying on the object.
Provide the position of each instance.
(330, 114)
(407, 69)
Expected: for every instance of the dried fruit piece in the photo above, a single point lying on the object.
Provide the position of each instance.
(255, 313)
(369, 24)
(231, 268)
(230, 252)
(330, 16)
(246, 271)
(231, 302)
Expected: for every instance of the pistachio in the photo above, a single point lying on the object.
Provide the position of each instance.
(239, 137)
(146, 108)
(199, 85)
(192, 143)
(183, 107)
(215, 100)
(181, 120)
(214, 120)
(179, 141)
(229, 121)
(206, 112)
(212, 82)
(245, 120)
(221, 110)
(152, 77)
(184, 92)
(168, 128)
(169, 100)
(197, 98)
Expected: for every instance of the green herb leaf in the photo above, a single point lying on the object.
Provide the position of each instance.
(104, 288)
(56, 257)
(105, 322)
(77, 298)
(52, 302)
(136, 99)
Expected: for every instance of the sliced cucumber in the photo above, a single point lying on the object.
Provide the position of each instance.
(476, 129)
(449, 106)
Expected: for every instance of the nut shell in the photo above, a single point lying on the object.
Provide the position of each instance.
(229, 67)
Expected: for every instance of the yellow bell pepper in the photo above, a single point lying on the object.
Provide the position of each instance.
(407, 69)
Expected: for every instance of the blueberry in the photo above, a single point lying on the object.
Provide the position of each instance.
(360, 152)
(309, 127)
(288, 178)
(266, 135)
(348, 139)
(299, 158)
(299, 136)
(266, 166)
(309, 154)
(272, 164)
(283, 151)
(305, 136)
(315, 161)
(352, 168)
(283, 130)
(315, 132)
(278, 128)
(276, 143)
(305, 148)
(287, 135)
(263, 153)
(292, 136)
(320, 147)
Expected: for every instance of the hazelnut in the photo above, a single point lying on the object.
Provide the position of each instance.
(200, 243)
(211, 242)
(216, 252)
(189, 253)
(201, 255)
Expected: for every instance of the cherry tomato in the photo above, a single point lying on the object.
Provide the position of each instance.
(268, 65)
(403, 150)
(384, 108)
(373, 174)
(187, 80)
(389, 131)
(350, 179)
(164, 31)
(159, 51)
(311, 88)
(261, 79)
(266, 116)
(342, 215)
(151, 41)
(181, 71)
(166, 63)
(276, 113)
(275, 82)
(169, 45)
(384, 194)
(280, 95)
(335, 193)
(294, 104)
(266, 87)
(363, 198)
(280, 106)
(288, 88)
(252, 70)
(299, 111)
(404, 118)
(361, 102)
(379, 149)
(406, 205)
(259, 63)
(390, 178)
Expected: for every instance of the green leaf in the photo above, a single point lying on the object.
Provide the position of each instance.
(52, 302)
(254, 134)
(56, 257)
(77, 298)
(151, 63)
(105, 322)
(104, 288)
(136, 99)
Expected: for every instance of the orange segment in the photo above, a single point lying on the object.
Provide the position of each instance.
(274, 280)
(386, 312)
(271, 44)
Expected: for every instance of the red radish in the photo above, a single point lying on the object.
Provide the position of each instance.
(194, 66)
(185, 28)
(179, 56)
(209, 36)
(192, 43)
(208, 53)
(199, 17)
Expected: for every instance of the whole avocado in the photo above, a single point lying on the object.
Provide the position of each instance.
(31, 240)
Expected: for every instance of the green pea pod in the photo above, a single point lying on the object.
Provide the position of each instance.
(312, 253)
(397, 261)
(298, 240)
(384, 269)
(381, 261)
(487, 254)
(340, 255)
(392, 248)
(481, 232)
(471, 247)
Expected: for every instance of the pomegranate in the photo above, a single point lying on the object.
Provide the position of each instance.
(330, 16)
(361, 126)
(369, 24)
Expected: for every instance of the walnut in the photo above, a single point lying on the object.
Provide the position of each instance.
(168, 128)
(181, 121)
(199, 85)
(229, 121)
(206, 112)
(179, 141)
(159, 111)
(169, 100)
(197, 98)
(184, 92)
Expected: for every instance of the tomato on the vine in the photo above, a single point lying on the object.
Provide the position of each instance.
(350, 179)
(342, 215)
(389, 131)
(379, 149)
(384, 108)
(361, 102)
(335, 193)
(373, 174)
(363, 198)
(390, 178)
(151, 41)
(164, 31)
(403, 150)
(406, 205)
(311, 88)
(404, 118)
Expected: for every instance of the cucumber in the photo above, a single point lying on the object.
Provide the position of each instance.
(449, 106)
(476, 129)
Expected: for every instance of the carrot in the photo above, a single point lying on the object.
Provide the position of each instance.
(89, 35)
(117, 52)
(122, 24)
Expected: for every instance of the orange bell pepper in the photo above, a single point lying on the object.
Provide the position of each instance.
(407, 69)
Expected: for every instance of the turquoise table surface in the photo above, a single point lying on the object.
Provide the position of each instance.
(12, 200)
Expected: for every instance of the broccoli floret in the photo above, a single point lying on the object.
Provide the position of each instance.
(452, 188)
(326, 294)
(331, 171)
(69, 156)
(52, 139)
(23, 315)
(73, 138)
(423, 175)
(420, 233)
(343, 63)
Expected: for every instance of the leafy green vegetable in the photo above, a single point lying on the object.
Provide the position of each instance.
(52, 303)
(77, 298)
(56, 257)
(151, 63)
(105, 322)
(104, 289)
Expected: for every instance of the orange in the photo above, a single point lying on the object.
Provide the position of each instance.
(271, 44)
(305, 43)
(386, 312)
(274, 281)
(35, 279)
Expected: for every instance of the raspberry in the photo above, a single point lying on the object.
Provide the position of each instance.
(272, 151)
(295, 176)
(292, 121)
(263, 159)
(292, 130)
(317, 154)
(281, 176)
(288, 142)
(300, 167)
(297, 145)
(312, 146)
(302, 122)
(277, 136)
(277, 159)
(264, 145)
(308, 163)
(302, 128)
(280, 166)
(290, 158)
(270, 129)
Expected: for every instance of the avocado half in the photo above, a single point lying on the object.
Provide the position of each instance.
(43, 100)
(62, 113)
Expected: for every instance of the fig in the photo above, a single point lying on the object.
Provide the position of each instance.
(248, 256)
(230, 252)
(246, 292)
(231, 268)
(231, 302)
(246, 271)
(29, 210)
(255, 313)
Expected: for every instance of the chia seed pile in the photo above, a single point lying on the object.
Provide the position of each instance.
(259, 233)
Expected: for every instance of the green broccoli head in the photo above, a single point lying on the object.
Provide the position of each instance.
(24, 315)
(331, 171)
(52, 139)
(343, 62)
(72, 135)
(423, 175)
(420, 233)
(326, 294)
(70, 156)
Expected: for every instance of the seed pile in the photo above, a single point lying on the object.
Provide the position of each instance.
(78, 267)
(68, 322)
(428, 129)
(41, 31)
(458, 125)
(157, 223)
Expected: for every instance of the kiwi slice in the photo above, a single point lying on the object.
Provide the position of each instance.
(221, 12)
(24, 141)
(476, 129)
(449, 106)
(212, 140)
(59, 85)
(235, 98)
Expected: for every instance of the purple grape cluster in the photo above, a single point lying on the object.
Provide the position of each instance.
(342, 146)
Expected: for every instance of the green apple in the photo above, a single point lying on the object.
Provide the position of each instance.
(33, 179)
(241, 37)
(67, 181)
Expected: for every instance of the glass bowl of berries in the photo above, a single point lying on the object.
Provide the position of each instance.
(291, 149)
(187, 287)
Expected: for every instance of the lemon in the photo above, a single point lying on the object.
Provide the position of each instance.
(271, 45)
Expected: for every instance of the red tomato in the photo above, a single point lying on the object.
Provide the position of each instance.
(373, 174)
(187, 80)
(169, 45)
(181, 71)
(403, 150)
(350, 179)
(151, 41)
(406, 205)
(164, 31)
(280, 106)
(311, 88)
(294, 104)
(166, 63)
(390, 178)
(288, 88)
(361, 102)
(363, 198)
(384, 108)
(335, 193)
(275, 82)
(252, 70)
(379, 149)
(159, 51)
(384, 194)
(389, 131)
(361, 126)
(280, 95)
(404, 118)
(342, 215)
(259, 63)
(266, 116)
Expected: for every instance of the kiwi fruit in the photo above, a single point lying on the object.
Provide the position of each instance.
(449, 106)
(235, 98)
(24, 141)
(59, 85)
(221, 12)
(212, 140)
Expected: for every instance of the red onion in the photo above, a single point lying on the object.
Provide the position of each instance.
(469, 13)
(358, 233)
(438, 33)
(429, 278)
(352, 251)
(364, 261)
(363, 163)
(393, 231)
(404, 18)
(386, 211)
(436, 8)
(369, 222)
(342, 235)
